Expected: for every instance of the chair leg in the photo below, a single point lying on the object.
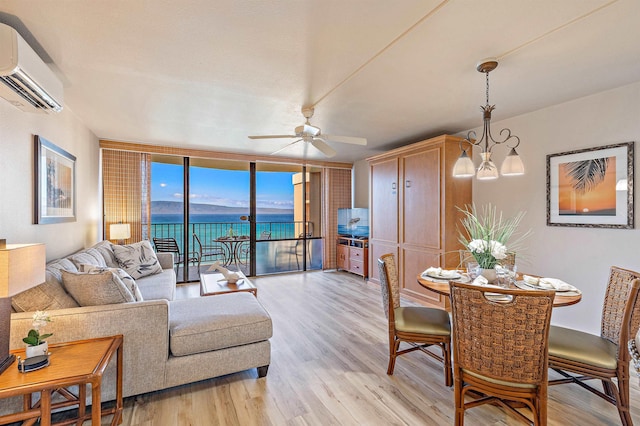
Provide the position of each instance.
(459, 402)
(393, 350)
(446, 356)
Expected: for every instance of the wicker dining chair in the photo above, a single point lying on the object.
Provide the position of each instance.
(500, 348)
(580, 356)
(420, 327)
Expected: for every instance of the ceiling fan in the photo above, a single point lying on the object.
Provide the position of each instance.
(312, 135)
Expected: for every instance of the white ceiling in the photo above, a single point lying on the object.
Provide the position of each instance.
(208, 73)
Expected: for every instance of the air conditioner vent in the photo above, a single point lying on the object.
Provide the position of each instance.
(28, 83)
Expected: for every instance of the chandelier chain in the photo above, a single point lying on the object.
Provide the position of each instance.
(487, 78)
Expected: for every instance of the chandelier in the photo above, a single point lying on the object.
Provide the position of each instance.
(487, 170)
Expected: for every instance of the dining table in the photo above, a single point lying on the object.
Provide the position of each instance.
(442, 287)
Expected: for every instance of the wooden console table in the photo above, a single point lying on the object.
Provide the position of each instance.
(75, 363)
(352, 254)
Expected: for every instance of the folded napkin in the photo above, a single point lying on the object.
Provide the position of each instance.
(439, 272)
(530, 280)
(554, 283)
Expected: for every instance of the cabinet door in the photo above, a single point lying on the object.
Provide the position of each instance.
(342, 257)
(384, 201)
(420, 224)
(414, 262)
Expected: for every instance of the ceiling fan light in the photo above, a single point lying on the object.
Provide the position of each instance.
(464, 166)
(512, 164)
(487, 169)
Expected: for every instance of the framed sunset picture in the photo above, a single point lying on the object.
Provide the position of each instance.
(591, 187)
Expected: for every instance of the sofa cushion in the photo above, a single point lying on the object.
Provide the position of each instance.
(90, 256)
(127, 279)
(216, 322)
(45, 297)
(158, 286)
(91, 289)
(138, 259)
(105, 248)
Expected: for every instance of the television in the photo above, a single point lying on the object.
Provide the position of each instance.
(353, 223)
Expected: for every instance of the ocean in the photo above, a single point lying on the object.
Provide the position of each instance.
(208, 227)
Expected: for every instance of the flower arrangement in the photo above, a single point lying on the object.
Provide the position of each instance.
(487, 234)
(40, 319)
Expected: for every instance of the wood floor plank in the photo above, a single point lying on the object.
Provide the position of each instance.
(329, 361)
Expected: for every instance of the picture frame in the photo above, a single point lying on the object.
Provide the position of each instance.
(592, 187)
(54, 183)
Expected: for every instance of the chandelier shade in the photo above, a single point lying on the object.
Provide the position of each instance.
(487, 170)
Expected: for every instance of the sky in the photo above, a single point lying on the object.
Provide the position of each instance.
(221, 187)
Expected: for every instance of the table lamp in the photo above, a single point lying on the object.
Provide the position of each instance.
(22, 266)
(120, 232)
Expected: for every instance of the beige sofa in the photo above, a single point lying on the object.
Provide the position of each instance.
(167, 342)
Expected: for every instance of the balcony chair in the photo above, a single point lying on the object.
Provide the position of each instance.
(580, 356)
(206, 252)
(294, 250)
(500, 349)
(169, 245)
(420, 327)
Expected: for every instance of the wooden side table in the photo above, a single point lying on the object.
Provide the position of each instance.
(75, 363)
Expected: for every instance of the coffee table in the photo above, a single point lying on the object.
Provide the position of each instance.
(214, 283)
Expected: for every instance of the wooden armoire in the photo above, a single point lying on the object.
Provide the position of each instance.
(414, 212)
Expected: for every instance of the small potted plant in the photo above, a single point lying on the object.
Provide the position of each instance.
(36, 343)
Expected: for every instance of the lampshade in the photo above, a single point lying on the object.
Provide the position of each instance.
(512, 164)
(464, 166)
(487, 169)
(120, 231)
(22, 266)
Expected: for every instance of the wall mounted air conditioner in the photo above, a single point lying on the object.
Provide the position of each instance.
(26, 82)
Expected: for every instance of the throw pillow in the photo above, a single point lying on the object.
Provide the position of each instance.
(90, 256)
(47, 296)
(121, 273)
(106, 250)
(102, 288)
(138, 259)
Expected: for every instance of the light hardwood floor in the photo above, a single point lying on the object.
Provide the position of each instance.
(328, 367)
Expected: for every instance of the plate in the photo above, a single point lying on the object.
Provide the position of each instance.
(440, 277)
(537, 287)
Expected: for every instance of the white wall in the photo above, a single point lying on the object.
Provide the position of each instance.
(580, 256)
(64, 129)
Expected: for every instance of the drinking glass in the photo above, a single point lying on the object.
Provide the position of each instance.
(473, 269)
(506, 275)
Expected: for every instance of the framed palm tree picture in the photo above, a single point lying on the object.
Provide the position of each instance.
(591, 187)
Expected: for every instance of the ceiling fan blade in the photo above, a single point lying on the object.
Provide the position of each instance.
(285, 147)
(273, 137)
(311, 130)
(323, 147)
(345, 139)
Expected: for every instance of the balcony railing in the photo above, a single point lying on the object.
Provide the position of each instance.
(278, 249)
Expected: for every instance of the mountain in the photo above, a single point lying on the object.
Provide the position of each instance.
(175, 207)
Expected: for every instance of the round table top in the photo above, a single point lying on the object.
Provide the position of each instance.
(442, 287)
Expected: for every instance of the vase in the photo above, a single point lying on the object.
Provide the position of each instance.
(40, 349)
(489, 274)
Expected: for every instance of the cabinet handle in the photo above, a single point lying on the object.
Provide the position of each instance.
(393, 185)
(408, 184)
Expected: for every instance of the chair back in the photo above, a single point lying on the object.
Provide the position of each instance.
(620, 311)
(389, 285)
(166, 245)
(265, 235)
(505, 340)
(198, 243)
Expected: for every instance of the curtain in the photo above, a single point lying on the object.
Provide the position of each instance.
(126, 180)
(337, 194)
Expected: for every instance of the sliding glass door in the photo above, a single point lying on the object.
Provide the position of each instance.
(258, 218)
